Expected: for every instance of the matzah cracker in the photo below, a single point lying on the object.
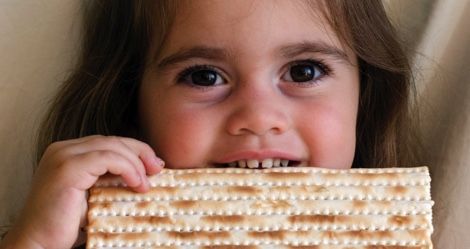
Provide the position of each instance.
(293, 207)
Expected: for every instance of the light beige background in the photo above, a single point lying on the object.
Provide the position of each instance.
(38, 43)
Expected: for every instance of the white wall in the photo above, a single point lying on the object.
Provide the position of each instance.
(37, 47)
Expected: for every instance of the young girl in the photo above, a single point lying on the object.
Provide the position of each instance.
(214, 84)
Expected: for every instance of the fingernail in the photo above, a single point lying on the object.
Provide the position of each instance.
(159, 162)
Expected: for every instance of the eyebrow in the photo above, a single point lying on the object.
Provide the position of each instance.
(319, 47)
(287, 51)
(202, 52)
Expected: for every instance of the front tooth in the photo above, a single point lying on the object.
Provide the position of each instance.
(277, 162)
(242, 163)
(284, 163)
(252, 164)
(267, 163)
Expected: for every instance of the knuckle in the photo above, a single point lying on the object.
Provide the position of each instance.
(144, 147)
(66, 164)
(147, 147)
(104, 141)
(105, 154)
(112, 140)
(54, 146)
(96, 138)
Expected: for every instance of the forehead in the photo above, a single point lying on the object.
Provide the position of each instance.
(248, 26)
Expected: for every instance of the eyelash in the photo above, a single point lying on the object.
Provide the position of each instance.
(181, 77)
(321, 64)
(326, 70)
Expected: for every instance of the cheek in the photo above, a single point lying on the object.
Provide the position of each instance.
(180, 136)
(330, 135)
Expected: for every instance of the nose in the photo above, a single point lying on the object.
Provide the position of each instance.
(258, 114)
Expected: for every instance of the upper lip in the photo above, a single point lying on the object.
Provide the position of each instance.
(258, 155)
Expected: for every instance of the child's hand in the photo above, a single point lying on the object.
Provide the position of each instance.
(56, 207)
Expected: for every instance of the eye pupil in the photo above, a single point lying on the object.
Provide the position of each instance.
(302, 73)
(204, 77)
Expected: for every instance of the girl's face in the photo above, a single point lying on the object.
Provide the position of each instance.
(251, 82)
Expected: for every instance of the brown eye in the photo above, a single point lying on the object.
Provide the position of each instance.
(304, 71)
(203, 76)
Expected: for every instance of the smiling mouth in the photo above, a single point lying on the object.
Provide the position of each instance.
(262, 164)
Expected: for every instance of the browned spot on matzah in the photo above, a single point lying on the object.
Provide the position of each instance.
(230, 219)
(273, 204)
(165, 190)
(303, 189)
(229, 247)
(359, 204)
(116, 191)
(329, 235)
(318, 219)
(292, 176)
(304, 247)
(399, 190)
(95, 191)
(243, 190)
(280, 188)
(399, 220)
(365, 190)
(273, 235)
(320, 189)
(397, 247)
(418, 234)
(199, 235)
(154, 220)
(117, 236)
(384, 204)
(280, 204)
(143, 204)
(165, 247)
(183, 204)
(369, 234)
(100, 205)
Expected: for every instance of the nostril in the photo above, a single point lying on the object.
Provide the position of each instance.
(258, 121)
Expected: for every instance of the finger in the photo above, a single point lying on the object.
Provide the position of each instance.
(144, 153)
(83, 170)
(61, 144)
(111, 143)
(152, 163)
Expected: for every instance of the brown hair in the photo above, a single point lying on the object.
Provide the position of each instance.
(385, 130)
(100, 96)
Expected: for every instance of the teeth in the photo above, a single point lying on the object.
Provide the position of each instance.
(252, 164)
(267, 163)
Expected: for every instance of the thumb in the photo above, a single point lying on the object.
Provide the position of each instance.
(82, 235)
